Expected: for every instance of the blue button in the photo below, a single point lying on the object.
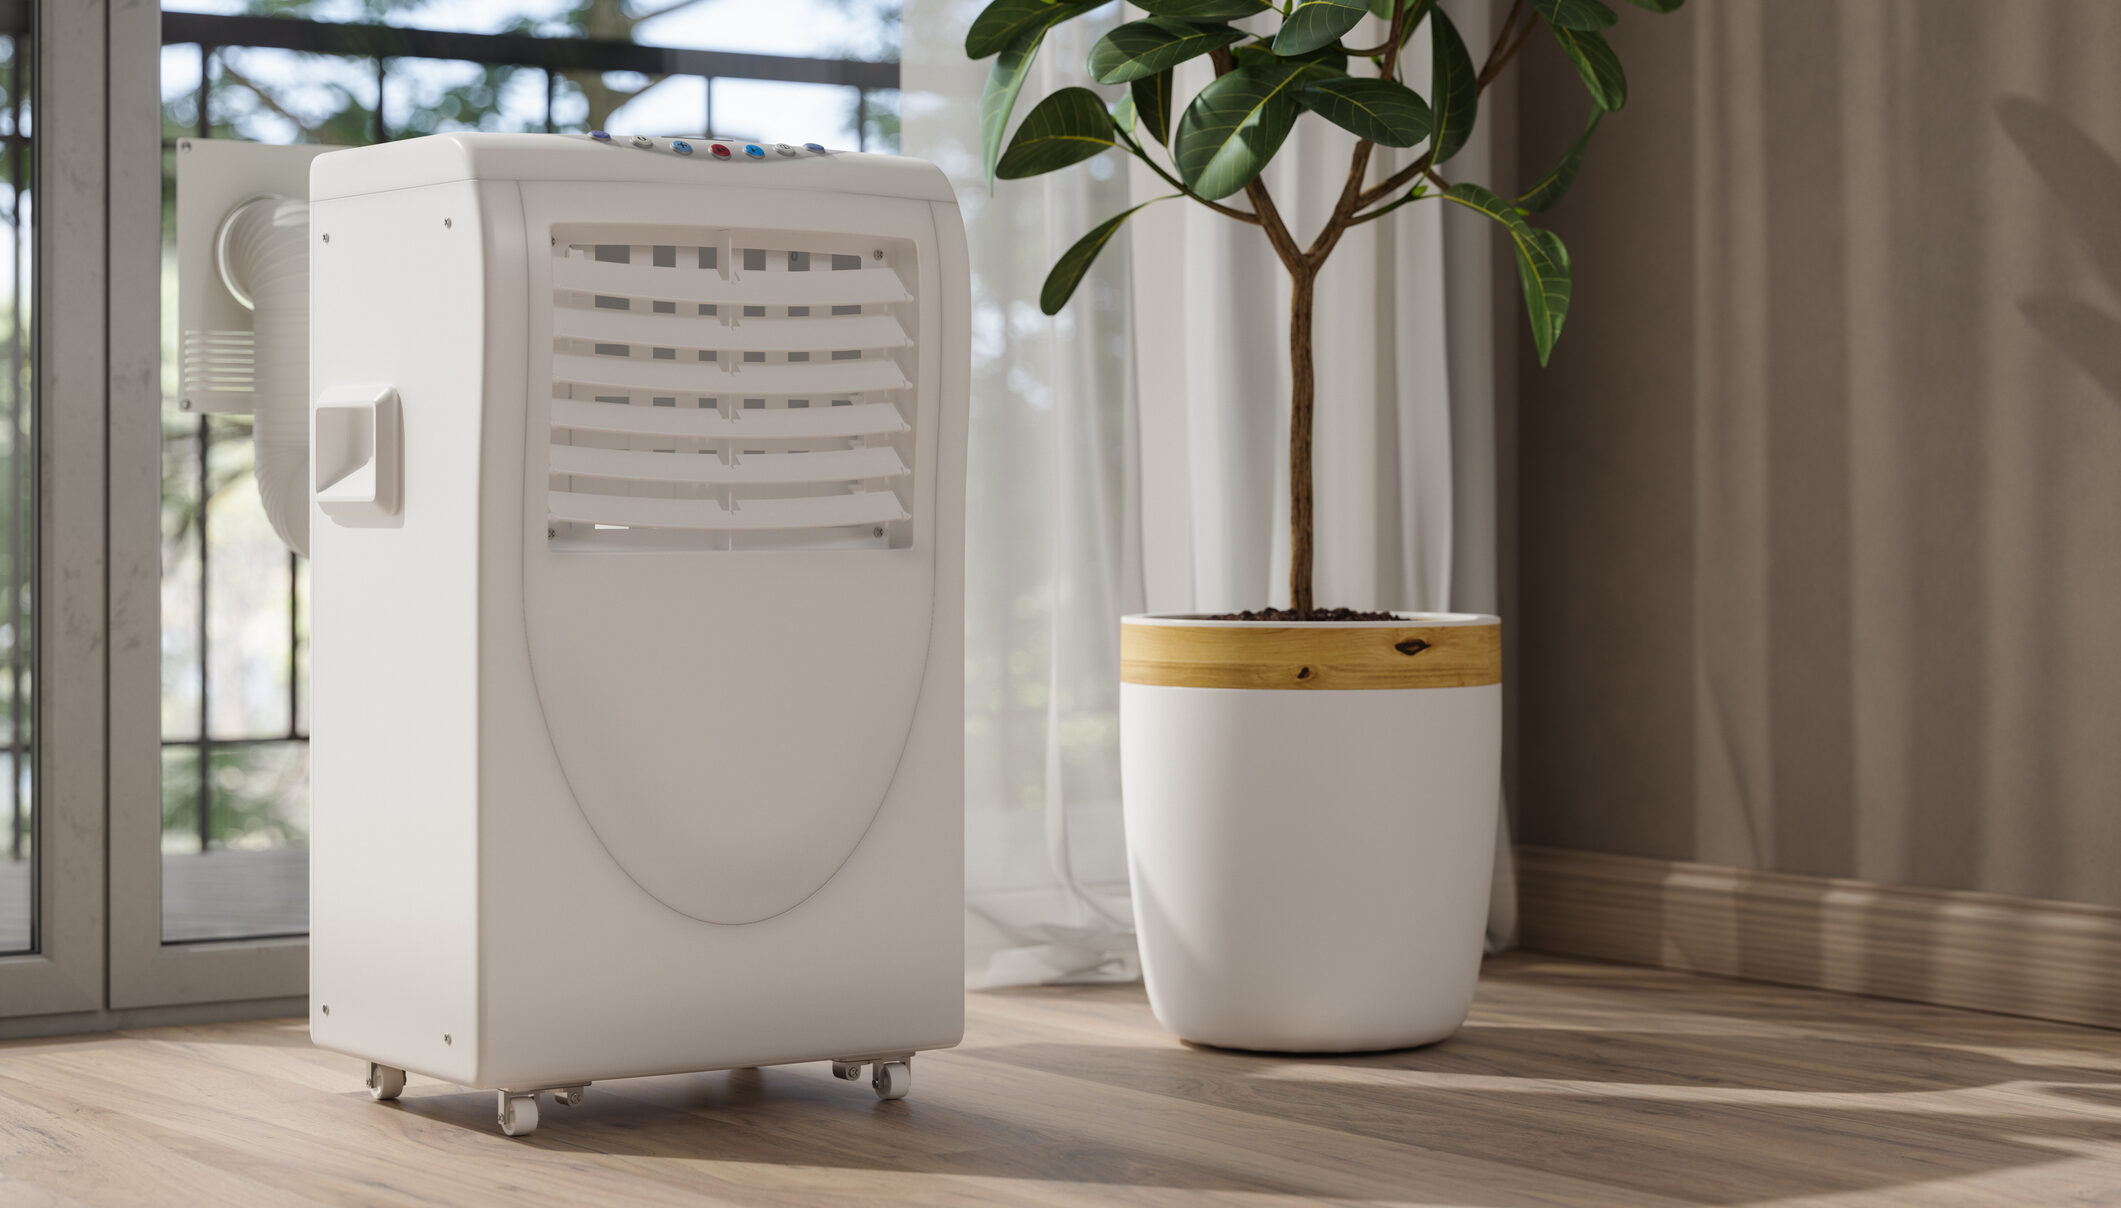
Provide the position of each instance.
(814, 148)
(753, 150)
(600, 136)
(680, 146)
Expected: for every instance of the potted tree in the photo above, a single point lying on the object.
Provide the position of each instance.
(1310, 793)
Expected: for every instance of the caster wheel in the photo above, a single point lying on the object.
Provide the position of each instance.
(385, 1082)
(569, 1096)
(850, 1070)
(519, 1114)
(892, 1079)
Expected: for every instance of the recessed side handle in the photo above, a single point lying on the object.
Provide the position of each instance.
(355, 450)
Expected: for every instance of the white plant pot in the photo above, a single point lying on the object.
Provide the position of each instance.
(1310, 813)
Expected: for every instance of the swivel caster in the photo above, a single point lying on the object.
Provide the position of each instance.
(850, 1070)
(569, 1096)
(519, 1113)
(891, 1079)
(385, 1082)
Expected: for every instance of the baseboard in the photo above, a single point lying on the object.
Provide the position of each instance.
(1986, 952)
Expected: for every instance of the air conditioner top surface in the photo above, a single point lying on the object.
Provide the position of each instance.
(443, 158)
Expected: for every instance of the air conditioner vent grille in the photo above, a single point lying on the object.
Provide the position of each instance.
(731, 390)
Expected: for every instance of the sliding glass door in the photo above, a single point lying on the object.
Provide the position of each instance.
(52, 409)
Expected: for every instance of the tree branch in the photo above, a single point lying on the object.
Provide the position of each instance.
(1128, 141)
(1263, 209)
(1498, 58)
(1359, 162)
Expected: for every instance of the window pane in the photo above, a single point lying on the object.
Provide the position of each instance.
(18, 462)
(235, 795)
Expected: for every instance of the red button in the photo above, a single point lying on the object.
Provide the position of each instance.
(720, 152)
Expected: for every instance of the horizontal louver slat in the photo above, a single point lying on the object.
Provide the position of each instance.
(749, 335)
(847, 287)
(817, 379)
(760, 469)
(830, 511)
(861, 419)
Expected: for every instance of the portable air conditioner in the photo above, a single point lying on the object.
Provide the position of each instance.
(638, 522)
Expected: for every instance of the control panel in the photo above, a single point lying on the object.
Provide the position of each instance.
(714, 148)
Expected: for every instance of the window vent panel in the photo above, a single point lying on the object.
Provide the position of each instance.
(744, 390)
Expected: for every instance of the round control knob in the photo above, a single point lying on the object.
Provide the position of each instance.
(600, 136)
(680, 146)
(720, 151)
(754, 151)
(814, 148)
(783, 149)
(642, 140)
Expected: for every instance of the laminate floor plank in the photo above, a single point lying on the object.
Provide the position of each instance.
(1573, 1084)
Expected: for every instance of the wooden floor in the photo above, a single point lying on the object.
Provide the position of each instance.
(1574, 1084)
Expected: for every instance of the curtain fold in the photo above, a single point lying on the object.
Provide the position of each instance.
(1051, 557)
(1130, 453)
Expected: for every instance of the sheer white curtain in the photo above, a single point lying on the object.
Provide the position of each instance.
(1130, 453)
(1052, 559)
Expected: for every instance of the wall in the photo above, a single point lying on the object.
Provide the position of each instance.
(1819, 562)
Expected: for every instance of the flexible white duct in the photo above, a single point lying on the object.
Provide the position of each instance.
(263, 252)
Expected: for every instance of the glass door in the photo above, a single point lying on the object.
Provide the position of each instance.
(52, 478)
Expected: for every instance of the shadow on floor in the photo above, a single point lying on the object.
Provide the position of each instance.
(1501, 1115)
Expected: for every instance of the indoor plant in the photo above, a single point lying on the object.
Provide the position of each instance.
(1310, 794)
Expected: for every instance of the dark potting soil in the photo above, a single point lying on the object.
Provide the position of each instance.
(1308, 614)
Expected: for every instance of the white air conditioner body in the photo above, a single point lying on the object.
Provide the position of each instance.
(638, 608)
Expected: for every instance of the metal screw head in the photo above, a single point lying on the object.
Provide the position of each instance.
(183, 404)
(446, 1039)
(327, 1008)
(327, 236)
(877, 532)
(878, 254)
(446, 223)
(183, 144)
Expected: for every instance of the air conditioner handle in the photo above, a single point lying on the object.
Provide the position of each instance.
(356, 451)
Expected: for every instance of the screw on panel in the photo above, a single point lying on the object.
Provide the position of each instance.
(878, 532)
(183, 404)
(446, 223)
(327, 236)
(446, 1039)
(327, 1008)
(878, 254)
(184, 144)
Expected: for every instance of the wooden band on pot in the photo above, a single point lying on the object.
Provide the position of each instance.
(1310, 656)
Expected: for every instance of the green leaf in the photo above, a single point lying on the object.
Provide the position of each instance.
(1382, 9)
(1455, 95)
(1006, 21)
(1124, 114)
(1066, 128)
(1007, 77)
(1660, 6)
(1143, 48)
(1234, 127)
(1069, 269)
(1597, 64)
(1316, 23)
(1384, 111)
(1575, 14)
(1203, 10)
(1549, 189)
(1542, 264)
(1152, 100)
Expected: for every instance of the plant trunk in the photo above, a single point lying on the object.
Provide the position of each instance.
(1302, 387)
